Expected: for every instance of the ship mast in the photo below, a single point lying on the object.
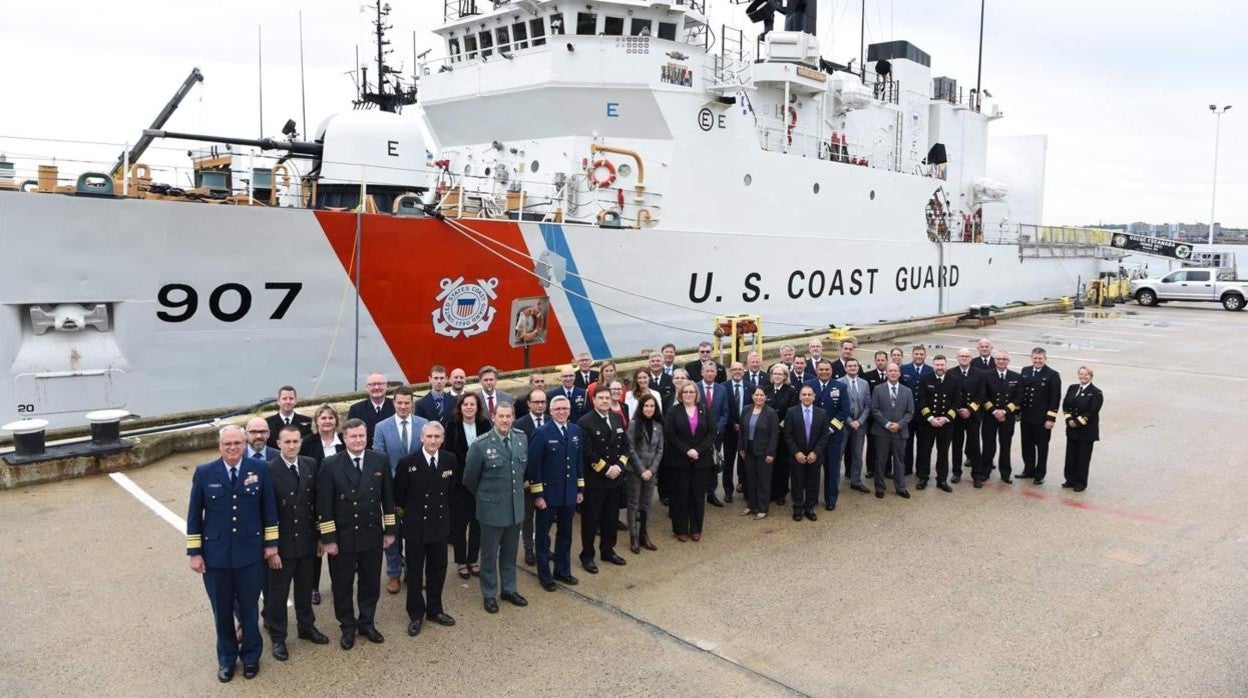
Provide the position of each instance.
(391, 94)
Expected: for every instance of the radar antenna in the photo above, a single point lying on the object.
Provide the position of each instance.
(391, 93)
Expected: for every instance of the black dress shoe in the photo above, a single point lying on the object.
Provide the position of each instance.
(413, 628)
(1068, 484)
(314, 635)
(225, 673)
(879, 494)
(780, 501)
(567, 579)
(441, 619)
(491, 606)
(1007, 479)
(1080, 488)
(279, 651)
(372, 635)
(550, 586)
(514, 598)
(829, 507)
(347, 641)
(943, 487)
(860, 488)
(797, 514)
(922, 485)
(728, 498)
(529, 558)
(714, 501)
(250, 671)
(1026, 475)
(620, 525)
(903, 494)
(1039, 481)
(615, 559)
(590, 566)
(316, 598)
(979, 484)
(810, 515)
(955, 479)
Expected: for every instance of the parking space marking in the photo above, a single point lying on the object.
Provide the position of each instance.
(1154, 335)
(1016, 341)
(150, 502)
(1065, 334)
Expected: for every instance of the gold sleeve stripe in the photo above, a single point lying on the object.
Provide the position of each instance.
(837, 423)
(580, 482)
(327, 526)
(953, 413)
(1012, 407)
(926, 410)
(193, 542)
(599, 465)
(537, 488)
(1053, 414)
(1083, 420)
(270, 528)
(387, 520)
(270, 535)
(974, 406)
(988, 405)
(623, 460)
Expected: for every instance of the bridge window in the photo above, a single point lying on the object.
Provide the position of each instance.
(470, 48)
(640, 27)
(452, 47)
(587, 23)
(539, 32)
(521, 35)
(556, 24)
(613, 26)
(504, 39)
(667, 30)
(487, 44)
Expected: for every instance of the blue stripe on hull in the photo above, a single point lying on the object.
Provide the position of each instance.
(582, 309)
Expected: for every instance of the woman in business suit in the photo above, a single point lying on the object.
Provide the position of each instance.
(760, 432)
(468, 421)
(323, 443)
(689, 442)
(1082, 406)
(780, 397)
(645, 438)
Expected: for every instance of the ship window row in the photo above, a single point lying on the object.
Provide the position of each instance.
(523, 35)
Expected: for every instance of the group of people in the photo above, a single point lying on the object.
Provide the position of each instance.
(490, 474)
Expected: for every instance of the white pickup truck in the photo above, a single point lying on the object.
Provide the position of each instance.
(1195, 284)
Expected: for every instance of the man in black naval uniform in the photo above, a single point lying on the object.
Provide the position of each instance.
(1042, 394)
(294, 484)
(287, 416)
(231, 529)
(968, 424)
(1001, 399)
(355, 506)
(605, 455)
(422, 485)
(939, 396)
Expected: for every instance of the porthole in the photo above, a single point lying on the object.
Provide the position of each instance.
(873, 195)
(748, 180)
(625, 170)
(533, 167)
(816, 187)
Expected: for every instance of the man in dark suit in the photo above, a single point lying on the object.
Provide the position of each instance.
(738, 389)
(555, 475)
(847, 353)
(355, 507)
(715, 396)
(1001, 404)
(258, 441)
(577, 400)
(537, 381)
(232, 503)
(585, 373)
(939, 396)
(806, 433)
(422, 484)
(605, 452)
(755, 372)
(706, 353)
(892, 410)
(491, 396)
(437, 404)
(801, 372)
(294, 484)
(911, 373)
(984, 361)
(528, 425)
(1041, 395)
(287, 416)
(375, 408)
(874, 377)
(495, 471)
(661, 381)
(966, 428)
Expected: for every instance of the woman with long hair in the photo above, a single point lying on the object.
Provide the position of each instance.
(759, 437)
(468, 422)
(645, 436)
(641, 388)
(689, 438)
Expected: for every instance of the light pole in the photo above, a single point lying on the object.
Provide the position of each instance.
(1217, 135)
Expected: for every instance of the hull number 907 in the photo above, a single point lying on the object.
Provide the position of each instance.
(229, 302)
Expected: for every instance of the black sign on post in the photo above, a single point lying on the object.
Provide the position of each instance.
(1155, 246)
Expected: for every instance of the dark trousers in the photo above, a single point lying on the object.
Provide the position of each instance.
(688, 490)
(562, 518)
(965, 441)
(940, 437)
(1035, 449)
(889, 461)
(1078, 458)
(526, 526)
(316, 573)
(869, 461)
(733, 467)
(757, 481)
(995, 435)
(805, 479)
(600, 515)
(429, 558)
(465, 530)
(299, 571)
(344, 571)
(832, 467)
(229, 588)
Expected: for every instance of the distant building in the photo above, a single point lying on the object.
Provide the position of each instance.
(1181, 232)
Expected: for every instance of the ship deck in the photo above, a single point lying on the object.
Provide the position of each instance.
(1134, 587)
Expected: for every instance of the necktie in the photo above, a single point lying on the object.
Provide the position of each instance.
(358, 467)
(437, 402)
(893, 391)
(294, 469)
(433, 463)
(807, 411)
(709, 393)
(233, 476)
(403, 434)
(1002, 374)
(537, 422)
(853, 391)
(736, 395)
(490, 401)
(667, 370)
(288, 421)
(940, 380)
(507, 444)
(562, 433)
(377, 409)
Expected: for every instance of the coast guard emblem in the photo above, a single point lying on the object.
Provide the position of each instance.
(465, 307)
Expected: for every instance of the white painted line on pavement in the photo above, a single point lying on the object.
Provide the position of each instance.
(1068, 334)
(150, 502)
(1083, 329)
(1026, 344)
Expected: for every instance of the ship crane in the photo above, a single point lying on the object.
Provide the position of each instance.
(141, 146)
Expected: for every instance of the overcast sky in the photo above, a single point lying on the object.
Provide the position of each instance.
(1120, 87)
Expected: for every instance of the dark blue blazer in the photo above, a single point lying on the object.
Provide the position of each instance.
(734, 412)
(231, 526)
(427, 408)
(833, 399)
(578, 397)
(718, 408)
(910, 377)
(556, 471)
